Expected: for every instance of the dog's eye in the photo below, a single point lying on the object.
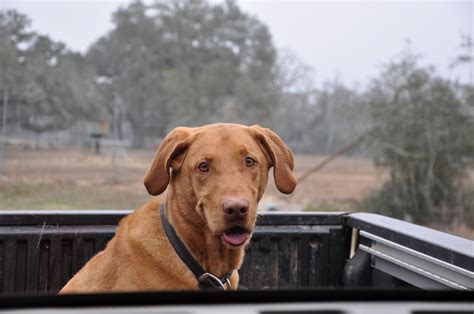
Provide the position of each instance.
(249, 161)
(203, 166)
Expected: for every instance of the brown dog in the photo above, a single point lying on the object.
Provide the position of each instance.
(215, 175)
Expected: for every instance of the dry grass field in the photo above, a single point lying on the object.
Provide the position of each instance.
(74, 179)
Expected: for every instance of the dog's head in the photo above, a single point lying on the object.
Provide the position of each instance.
(222, 169)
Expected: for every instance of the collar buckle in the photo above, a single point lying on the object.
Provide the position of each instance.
(209, 280)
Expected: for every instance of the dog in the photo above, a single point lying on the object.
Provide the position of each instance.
(214, 175)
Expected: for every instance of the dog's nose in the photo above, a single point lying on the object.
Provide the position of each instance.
(235, 207)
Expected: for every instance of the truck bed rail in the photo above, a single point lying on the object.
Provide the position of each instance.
(420, 256)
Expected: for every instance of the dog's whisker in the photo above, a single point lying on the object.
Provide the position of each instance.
(205, 226)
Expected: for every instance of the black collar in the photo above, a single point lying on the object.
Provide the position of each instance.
(206, 280)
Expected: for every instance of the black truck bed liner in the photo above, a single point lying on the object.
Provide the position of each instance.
(41, 249)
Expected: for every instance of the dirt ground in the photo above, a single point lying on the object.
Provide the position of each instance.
(74, 179)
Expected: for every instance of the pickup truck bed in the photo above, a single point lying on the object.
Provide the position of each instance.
(41, 250)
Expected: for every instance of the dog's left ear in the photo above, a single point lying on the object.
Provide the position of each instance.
(281, 158)
(169, 155)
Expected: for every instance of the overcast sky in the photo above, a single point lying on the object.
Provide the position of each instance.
(349, 40)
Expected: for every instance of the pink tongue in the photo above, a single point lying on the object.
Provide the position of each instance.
(235, 238)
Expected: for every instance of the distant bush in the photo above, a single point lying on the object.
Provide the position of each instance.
(422, 132)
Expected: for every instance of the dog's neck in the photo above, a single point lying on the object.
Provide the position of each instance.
(213, 255)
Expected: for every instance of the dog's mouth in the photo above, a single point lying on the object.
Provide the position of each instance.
(235, 236)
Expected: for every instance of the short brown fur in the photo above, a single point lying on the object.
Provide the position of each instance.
(140, 257)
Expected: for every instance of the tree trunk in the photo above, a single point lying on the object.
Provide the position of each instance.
(119, 126)
(137, 121)
(138, 140)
